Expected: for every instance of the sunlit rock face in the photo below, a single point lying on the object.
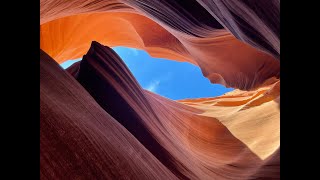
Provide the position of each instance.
(96, 122)
(234, 43)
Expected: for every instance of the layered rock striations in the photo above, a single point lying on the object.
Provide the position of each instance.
(78, 139)
(193, 139)
(218, 36)
(96, 122)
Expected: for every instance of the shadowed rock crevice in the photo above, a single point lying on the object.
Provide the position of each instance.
(188, 11)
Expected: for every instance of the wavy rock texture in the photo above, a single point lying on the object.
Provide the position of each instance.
(194, 139)
(96, 122)
(196, 32)
(78, 139)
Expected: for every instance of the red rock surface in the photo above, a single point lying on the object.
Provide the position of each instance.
(96, 122)
(168, 29)
(198, 140)
(78, 139)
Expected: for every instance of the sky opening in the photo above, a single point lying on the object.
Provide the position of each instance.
(168, 78)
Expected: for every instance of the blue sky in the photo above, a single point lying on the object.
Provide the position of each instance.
(171, 79)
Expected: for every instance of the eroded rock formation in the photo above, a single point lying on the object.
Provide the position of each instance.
(190, 31)
(108, 115)
(96, 122)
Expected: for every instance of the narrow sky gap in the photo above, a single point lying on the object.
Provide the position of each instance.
(171, 79)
